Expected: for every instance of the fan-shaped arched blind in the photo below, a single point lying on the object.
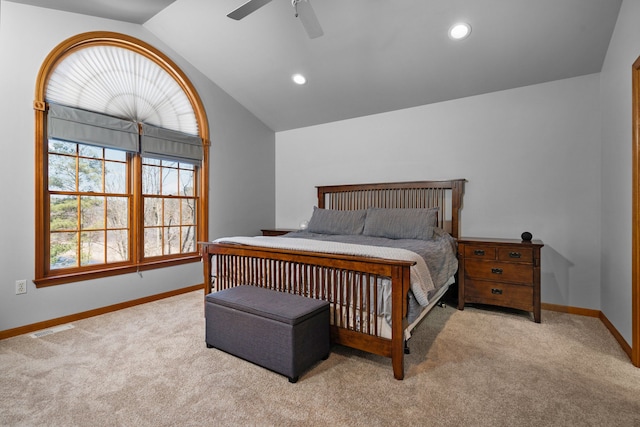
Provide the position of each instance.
(98, 94)
(121, 83)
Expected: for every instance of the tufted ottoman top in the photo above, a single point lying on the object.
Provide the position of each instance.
(279, 306)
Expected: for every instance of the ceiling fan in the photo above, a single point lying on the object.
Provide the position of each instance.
(303, 10)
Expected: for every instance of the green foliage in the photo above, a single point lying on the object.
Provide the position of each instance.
(63, 211)
(58, 249)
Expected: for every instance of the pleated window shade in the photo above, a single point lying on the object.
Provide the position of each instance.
(124, 85)
(88, 127)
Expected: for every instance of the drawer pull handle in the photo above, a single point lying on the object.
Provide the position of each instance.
(496, 291)
(515, 254)
(496, 270)
(479, 252)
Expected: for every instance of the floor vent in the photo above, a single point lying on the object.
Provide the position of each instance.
(50, 331)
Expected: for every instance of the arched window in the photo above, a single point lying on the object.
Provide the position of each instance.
(121, 161)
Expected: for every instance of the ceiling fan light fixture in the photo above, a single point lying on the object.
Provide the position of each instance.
(299, 79)
(459, 31)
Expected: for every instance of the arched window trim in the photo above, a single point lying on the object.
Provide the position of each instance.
(43, 277)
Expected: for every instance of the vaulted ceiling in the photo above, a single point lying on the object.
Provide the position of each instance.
(375, 55)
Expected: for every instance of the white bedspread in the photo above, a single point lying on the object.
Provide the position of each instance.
(421, 281)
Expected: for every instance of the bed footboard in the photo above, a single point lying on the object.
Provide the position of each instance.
(349, 283)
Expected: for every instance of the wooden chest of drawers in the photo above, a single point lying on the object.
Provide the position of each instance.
(500, 272)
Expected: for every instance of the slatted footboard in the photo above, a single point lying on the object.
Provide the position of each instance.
(350, 284)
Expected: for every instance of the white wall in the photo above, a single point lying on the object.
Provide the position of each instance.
(242, 172)
(531, 157)
(623, 51)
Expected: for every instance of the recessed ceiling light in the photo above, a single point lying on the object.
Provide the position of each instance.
(459, 31)
(299, 79)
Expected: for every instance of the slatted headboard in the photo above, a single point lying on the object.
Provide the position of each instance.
(447, 195)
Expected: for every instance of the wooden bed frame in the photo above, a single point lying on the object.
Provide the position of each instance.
(341, 279)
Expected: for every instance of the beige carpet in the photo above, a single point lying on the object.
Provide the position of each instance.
(148, 366)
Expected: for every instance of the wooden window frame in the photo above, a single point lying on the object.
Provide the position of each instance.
(43, 275)
(79, 194)
(164, 197)
(635, 216)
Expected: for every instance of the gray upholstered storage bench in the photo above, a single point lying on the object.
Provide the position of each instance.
(282, 332)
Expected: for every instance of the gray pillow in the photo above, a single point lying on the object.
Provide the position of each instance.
(401, 223)
(330, 221)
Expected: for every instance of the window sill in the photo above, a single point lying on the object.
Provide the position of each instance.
(60, 279)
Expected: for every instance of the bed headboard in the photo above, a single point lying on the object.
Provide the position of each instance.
(447, 195)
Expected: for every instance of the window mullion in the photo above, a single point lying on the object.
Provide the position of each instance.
(105, 208)
(136, 211)
(78, 210)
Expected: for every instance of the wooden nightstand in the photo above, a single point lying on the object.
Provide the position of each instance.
(276, 231)
(500, 272)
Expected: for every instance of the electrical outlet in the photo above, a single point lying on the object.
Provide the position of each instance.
(21, 287)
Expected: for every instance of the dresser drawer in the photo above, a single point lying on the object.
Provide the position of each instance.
(503, 294)
(479, 252)
(524, 255)
(498, 271)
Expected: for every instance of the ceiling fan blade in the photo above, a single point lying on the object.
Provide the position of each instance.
(309, 20)
(247, 8)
